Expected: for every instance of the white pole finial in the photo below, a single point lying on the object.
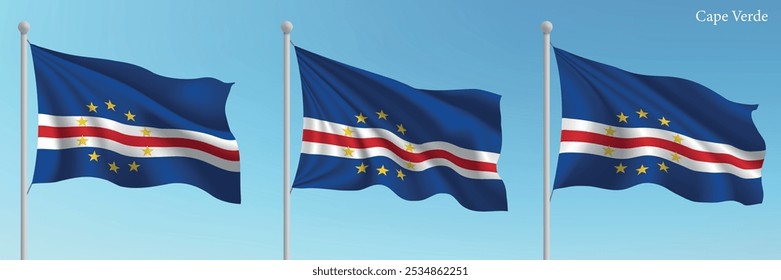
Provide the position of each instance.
(286, 28)
(24, 27)
(546, 26)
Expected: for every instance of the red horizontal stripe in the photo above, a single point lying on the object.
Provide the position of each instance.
(363, 143)
(627, 143)
(136, 141)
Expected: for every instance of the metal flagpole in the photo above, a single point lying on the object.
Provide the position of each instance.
(24, 27)
(546, 26)
(286, 28)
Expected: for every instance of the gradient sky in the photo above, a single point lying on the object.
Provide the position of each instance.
(490, 45)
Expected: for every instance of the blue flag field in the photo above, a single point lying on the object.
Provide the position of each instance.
(363, 129)
(124, 124)
(620, 129)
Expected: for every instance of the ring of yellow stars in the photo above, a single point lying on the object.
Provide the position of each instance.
(134, 166)
(82, 141)
(382, 115)
(677, 138)
(113, 167)
(400, 174)
(676, 157)
(146, 132)
(361, 118)
(147, 151)
(348, 152)
(92, 107)
(608, 151)
(110, 105)
(620, 168)
(130, 116)
(664, 121)
(82, 121)
(409, 147)
(382, 170)
(93, 156)
(609, 131)
(410, 165)
(361, 168)
(663, 167)
(347, 131)
(622, 118)
(400, 128)
(642, 114)
(641, 170)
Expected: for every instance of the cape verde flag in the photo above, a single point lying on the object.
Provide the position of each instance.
(620, 129)
(363, 129)
(122, 123)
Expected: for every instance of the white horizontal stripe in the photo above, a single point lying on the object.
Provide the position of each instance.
(72, 121)
(359, 132)
(635, 132)
(708, 167)
(338, 151)
(132, 151)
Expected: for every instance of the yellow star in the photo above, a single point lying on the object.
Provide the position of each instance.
(147, 151)
(663, 167)
(130, 116)
(620, 168)
(409, 147)
(92, 107)
(677, 138)
(641, 169)
(347, 131)
(361, 118)
(134, 166)
(622, 118)
(642, 114)
(410, 165)
(82, 121)
(400, 128)
(382, 115)
(609, 131)
(348, 152)
(113, 167)
(400, 174)
(608, 151)
(93, 156)
(110, 105)
(146, 132)
(664, 121)
(361, 168)
(382, 170)
(676, 157)
(82, 141)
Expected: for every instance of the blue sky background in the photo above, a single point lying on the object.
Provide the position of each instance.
(490, 45)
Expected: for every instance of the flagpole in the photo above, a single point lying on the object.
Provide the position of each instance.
(24, 27)
(286, 28)
(547, 27)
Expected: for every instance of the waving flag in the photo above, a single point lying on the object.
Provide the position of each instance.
(363, 129)
(122, 123)
(620, 129)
